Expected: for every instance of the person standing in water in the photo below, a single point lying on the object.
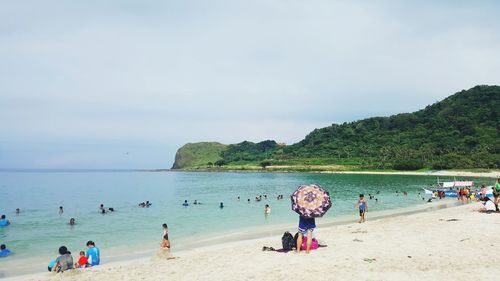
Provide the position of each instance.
(267, 210)
(221, 205)
(363, 208)
(61, 211)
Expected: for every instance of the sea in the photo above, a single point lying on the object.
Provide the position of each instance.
(36, 233)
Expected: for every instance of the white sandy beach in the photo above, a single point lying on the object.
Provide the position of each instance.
(449, 244)
(443, 173)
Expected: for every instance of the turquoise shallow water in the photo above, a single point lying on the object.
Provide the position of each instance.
(39, 229)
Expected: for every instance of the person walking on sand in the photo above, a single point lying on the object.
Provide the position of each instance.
(306, 228)
(363, 208)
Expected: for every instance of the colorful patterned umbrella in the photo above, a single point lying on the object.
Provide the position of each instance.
(311, 201)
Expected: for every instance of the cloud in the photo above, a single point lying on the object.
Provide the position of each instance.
(168, 72)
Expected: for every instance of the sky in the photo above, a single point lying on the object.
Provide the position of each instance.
(123, 84)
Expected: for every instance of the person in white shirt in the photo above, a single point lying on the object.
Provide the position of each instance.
(489, 206)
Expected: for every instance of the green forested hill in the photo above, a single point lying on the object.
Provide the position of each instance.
(459, 132)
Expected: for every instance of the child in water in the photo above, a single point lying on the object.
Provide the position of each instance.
(363, 208)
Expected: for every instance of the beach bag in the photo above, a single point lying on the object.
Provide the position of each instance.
(287, 241)
(314, 244)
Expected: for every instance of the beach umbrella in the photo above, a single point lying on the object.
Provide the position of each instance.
(311, 201)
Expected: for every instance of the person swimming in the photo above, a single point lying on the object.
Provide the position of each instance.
(72, 221)
(185, 204)
(102, 209)
(221, 205)
(4, 221)
(4, 251)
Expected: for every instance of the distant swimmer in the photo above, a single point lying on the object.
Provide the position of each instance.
(4, 251)
(18, 211)
(61, 211)
(195, 202)
(221, 205)
(102, 209)
(72, 221)
(148, 204)
(248, 200)
(4, 221)
(185, 204)
(267, 210)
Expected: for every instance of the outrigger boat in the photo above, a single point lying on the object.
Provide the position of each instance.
(450, 188)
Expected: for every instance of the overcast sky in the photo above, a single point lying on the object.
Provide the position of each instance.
(123, 84)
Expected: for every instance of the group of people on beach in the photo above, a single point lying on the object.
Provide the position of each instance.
(65, 260)
(492, 206)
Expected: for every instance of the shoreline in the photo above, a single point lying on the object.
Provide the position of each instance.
(145, 251)
(441, 173)
(426, 245)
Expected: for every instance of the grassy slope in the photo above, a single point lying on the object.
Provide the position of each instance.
(196, 155)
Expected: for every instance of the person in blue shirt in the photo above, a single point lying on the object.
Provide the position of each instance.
(306, 228)
(363, 208)
(4, 221)
(93, 254)
(4, 251)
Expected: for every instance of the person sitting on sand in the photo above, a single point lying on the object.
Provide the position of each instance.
(489, 206)
(64, 261)
(363, 208)
(93, 254)
(4, 251)
(4, 221)
(306, 228)
(82, 261)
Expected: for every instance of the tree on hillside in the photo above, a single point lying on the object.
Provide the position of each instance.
(264, 164)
